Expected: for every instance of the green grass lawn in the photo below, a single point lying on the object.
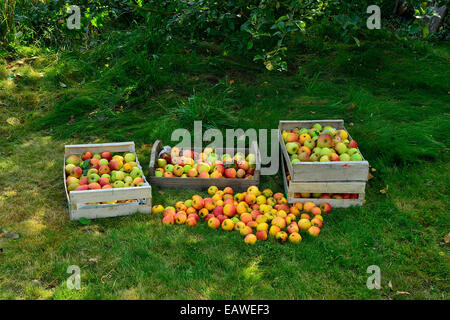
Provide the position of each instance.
(393, 95)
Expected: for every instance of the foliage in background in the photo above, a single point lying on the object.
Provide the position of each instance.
(261, 30)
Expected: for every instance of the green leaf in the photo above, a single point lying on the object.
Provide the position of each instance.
(249, 45)
(85, 221)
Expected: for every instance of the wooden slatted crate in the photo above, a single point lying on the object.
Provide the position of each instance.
(78, 201)
(322, 177)
(204, 183)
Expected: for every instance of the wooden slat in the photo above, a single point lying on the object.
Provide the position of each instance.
(106, 212)
(100, 147)
(104, 195)
(327, 187)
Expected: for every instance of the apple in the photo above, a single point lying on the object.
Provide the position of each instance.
(341, 148)
(227, 225)
(82, 187)
(169, 219)
(291, 137)
(230, 173)
(192, 173)
(250, 239)
(352, 151)
(344, 157)
(303, 157)
(106, 155)
(180, 217)
(316, 222)
(129, 157)
(261, 235)
(353, 144)
(203, 212)
(325, 141)
(326, 151)
(355, 157)
(295, 237)
(314, 231)
(203, 174)
(274, 230)
(76, 172)
(279, 222)
(317, 126)
(84, 180)
(214, 223)
(136, 172)
(324, 159)
(73, 186)
(292, 228)
(191, 222)
(292, 147)
(310, 143)
(281, 236)
(119, 184)
(335, 157)
(103, 181)
(304, 224)
(229, 210)
(73, 159)
(94, 186)
(245, 230)
(93, 178)
(325, 207)
(178, 170)
(156, 209)
(115, 164)
(161, 162)
(87, 155)
(197, 202)
(314, 157)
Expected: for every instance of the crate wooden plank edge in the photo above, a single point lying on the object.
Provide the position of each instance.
(205, 183)
(143, 194)
(300, 170)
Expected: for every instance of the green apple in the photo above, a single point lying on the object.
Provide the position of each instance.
(128, 179)
(103, 162)
(295, 160)
(340, 148)
(317, 150)
(352, 151)
(93, 177)
(129, 157)
(118, 184)
(314, 157)
(310, 143)
(356, 157)
(292, 147)
(186, 168)
(161, 163)
(302, 131)
(326, 152)
(97, 156)
(91, 171)
(317, 126)
(188, 203)
(168, 168)
(136, 172)
(324, 158)
(344, 157)
(106, 176)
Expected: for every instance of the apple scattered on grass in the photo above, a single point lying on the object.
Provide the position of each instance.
(254, 214)
(207, 164)
(320, 144)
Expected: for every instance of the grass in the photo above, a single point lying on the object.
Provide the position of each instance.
(394, 94)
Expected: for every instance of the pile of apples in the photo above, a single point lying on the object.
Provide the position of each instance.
(207, 164)
(102, 171)
(254, 214)
(320, 144)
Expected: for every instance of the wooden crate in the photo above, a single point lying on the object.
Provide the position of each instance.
(322, 177)
(205, 183)
(322, 171)
(78, 200)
